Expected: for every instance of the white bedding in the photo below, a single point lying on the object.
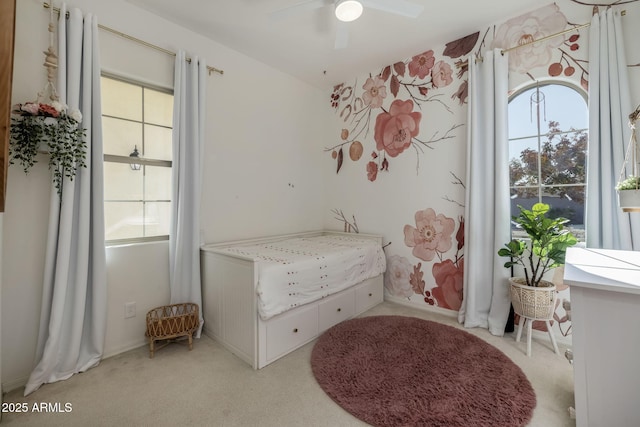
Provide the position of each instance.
(298, 271)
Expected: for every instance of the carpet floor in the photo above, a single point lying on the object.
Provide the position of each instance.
(211, 387)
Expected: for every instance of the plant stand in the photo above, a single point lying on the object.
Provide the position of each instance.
(531, 304)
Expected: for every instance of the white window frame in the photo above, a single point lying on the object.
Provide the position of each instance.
(112, 158)
(540, 186)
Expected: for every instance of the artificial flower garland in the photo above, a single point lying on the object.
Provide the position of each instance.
(39, 125)
(50, 127)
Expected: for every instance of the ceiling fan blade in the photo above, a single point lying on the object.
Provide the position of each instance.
(398, 7)
(342, 36)
(296, 8)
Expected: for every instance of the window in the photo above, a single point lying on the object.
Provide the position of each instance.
(547, 150)
(137, 190)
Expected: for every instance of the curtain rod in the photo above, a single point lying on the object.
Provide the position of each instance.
(503, 51)
(550, 36)
(137, 40)
(541, 39)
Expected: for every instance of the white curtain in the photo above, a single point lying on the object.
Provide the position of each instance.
(188, 143)
(609, 108)
(73, 316)
(486, 300)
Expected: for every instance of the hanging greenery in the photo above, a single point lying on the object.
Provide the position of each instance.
(50, 128)
(628, 188)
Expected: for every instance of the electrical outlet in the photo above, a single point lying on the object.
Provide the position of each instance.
(129, 310)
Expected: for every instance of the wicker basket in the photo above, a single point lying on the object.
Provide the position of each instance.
(536, 303)
(170, 322)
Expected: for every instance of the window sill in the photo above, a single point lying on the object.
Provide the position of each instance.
(135, 241)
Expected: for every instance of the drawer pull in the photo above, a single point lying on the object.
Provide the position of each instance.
(339, 309)
(295, 331)
(370, 294)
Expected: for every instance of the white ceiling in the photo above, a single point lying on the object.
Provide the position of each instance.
(303, 44)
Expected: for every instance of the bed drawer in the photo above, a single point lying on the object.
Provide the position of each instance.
(289, 331)
(368, 294)
(336, 308)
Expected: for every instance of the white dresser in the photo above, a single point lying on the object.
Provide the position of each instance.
(605, 302)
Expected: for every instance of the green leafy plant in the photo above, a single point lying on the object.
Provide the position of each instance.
(631, 183)
(546, 247)
(38, 125)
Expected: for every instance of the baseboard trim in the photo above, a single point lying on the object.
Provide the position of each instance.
(14, 384)
(17, 383)
(425, 307)
(124, 348)
(536, 334)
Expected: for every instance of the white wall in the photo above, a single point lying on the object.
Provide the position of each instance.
(261, 170)
(135, 273)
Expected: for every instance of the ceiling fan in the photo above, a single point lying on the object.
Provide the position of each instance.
(350, 10)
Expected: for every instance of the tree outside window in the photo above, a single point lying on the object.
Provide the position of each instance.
(548, 148)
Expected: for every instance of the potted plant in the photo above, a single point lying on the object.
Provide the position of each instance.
(629, 188)
(52, 129)
(545, 249)
(629, 194)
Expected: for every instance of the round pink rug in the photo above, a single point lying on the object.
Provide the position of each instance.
(405, 371)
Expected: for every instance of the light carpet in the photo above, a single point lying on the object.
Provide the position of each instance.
(211, 387)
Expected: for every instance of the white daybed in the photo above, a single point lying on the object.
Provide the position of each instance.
(263, 298)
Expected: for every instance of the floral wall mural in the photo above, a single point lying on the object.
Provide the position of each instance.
(559, 56)
(389, 108)
(396, 156)
(432, 237)
(393, 130)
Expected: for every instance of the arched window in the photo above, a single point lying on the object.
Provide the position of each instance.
(548, 135)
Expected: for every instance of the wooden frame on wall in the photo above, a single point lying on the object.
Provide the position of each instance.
(7, 34)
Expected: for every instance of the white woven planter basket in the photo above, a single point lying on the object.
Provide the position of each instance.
(629, 200)
(537, 303)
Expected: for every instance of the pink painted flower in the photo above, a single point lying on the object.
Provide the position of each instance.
(460, 234)
(372, 171)
(396, 278)
(531, 26)
(375, 92)
(448, 291)
(432, 234)
(462, 93)
(421, 65)
(395, 129)
(441, 74)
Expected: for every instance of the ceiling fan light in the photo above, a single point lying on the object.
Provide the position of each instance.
(348, 10)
